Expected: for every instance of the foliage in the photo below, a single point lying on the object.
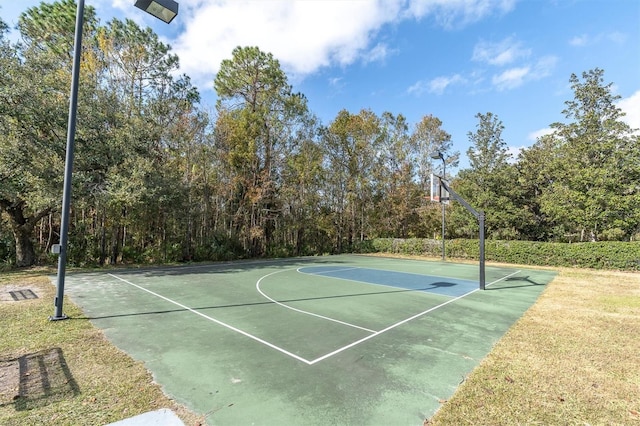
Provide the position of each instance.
(429, 138)
(33, 86)
(592, 179)
(157, 178)
(7, 250)
(598, 255)
(258, 125)
(487, 184)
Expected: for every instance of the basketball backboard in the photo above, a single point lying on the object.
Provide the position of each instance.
(437, 192)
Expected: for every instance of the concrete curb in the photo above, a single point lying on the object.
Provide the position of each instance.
(162, 417)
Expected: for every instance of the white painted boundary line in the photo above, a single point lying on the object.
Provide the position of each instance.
(326, 272)
(300, 310)
(322, 273)
(284, 351)
(377, 333)
(237, 330)
(218, 265)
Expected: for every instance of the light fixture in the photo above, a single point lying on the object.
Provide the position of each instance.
(437, 156)
(165, 10)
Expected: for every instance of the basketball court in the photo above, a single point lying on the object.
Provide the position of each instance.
(334, 340)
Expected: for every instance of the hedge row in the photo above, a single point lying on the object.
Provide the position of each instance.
(596, 255)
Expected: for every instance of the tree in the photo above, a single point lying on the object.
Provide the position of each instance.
(534, 178)
(488, 183)
(395, 192)
(488, 151)
(152, 115)
(257, 118)
(303, 182)
(34, 82)
(595, 172)
(352, 142)
(429, 138)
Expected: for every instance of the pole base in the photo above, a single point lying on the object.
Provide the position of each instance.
(62, 317)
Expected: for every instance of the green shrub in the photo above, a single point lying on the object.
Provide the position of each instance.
(595, 255)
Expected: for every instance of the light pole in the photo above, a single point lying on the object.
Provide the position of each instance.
(440, 156)
(164, 10)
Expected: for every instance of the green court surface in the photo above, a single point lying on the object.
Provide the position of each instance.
(335, 340)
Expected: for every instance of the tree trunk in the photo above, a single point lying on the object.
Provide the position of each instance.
(103, 237)
(22, 228)
(25, 253)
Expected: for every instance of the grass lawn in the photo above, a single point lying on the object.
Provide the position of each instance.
(572, 359)
(65, 372)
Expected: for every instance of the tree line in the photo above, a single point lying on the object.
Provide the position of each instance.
(158, 177)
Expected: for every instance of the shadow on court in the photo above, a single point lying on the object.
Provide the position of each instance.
(336, 340)
(230, 267)
(204, 308)
(526, 280)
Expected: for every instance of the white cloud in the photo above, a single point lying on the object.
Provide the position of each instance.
(511, 52)
(501, 53)
(617, 37)
(452, 13)
(378, 53)
(511, 78)
(439, 84)
(304, 36)
(631, 107)
(436, 86)
(513, 152)
(544, 67)
(335, 81)
(586, 40)
(517, 76)
(418, 88)
(581, 40)
(535, 135)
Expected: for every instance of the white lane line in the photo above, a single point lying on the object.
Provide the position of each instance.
(377, 333)
(504, 278)
(237, 330)
(302, 311)
(324, 357)
(395, 287)
(216, 265)
(420, 274)
(326, 272)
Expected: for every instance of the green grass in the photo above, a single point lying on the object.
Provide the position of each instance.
(572, 359)
(66, 372)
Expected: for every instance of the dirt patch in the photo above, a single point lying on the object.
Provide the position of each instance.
(9, 381)
(36, 379)
(19, 292)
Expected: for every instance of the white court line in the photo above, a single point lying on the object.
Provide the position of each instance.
(381, 270)
(237, 330)
(377, 333)
(395, 287)
(326, 272)
(212, 266)
(326, 356)
(300, 310)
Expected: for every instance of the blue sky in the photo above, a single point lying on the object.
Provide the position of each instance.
(448, 58)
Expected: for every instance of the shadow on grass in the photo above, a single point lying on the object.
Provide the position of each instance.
(35, 380)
